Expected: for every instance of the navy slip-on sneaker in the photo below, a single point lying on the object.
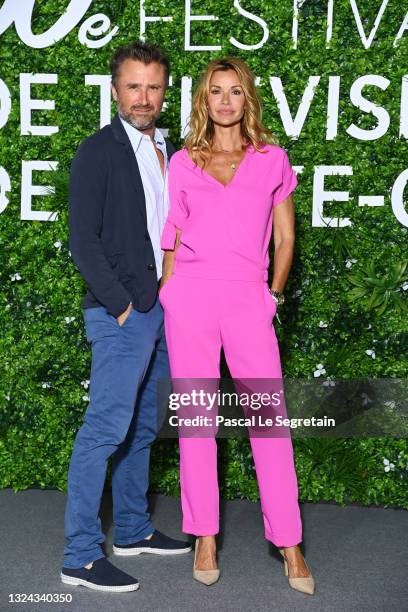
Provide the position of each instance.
(158, 544)
(103, 576)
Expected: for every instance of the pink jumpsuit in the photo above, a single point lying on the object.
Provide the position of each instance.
(218, 297)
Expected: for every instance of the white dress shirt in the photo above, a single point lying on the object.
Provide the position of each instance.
(154, 184)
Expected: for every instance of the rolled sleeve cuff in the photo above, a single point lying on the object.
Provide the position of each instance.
(286, 189)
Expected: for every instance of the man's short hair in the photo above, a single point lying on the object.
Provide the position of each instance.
(141, 51)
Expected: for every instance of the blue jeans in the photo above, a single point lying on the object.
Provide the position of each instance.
(121, 420)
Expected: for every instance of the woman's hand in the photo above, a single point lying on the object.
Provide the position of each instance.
(163, 281)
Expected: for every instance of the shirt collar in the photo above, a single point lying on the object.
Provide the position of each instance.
(136, 136)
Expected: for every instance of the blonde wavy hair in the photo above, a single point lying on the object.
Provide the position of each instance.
(200, 137)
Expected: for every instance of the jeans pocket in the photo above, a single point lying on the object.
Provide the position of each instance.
(127, 322)
(98, 324)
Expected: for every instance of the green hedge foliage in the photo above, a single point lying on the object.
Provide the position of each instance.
(347, 289)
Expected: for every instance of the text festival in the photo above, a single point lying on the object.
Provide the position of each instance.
(96, 31)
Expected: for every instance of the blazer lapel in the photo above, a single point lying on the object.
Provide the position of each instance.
(121, 136)
(170, 148)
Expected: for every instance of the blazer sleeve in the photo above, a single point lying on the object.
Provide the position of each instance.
(178, 210)
(87, 192)
(288, 183)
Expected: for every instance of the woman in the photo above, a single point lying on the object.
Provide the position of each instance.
(226, 185)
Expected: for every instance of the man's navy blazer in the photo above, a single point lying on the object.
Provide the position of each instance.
(109, 240)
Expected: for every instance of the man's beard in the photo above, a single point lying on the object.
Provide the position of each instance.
(139, 124)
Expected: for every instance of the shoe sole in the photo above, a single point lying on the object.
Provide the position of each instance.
(129, 552)
(98, 587)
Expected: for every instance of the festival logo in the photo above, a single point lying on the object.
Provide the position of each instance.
(20, 14)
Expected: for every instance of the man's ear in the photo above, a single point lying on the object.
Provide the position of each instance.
(114, 93)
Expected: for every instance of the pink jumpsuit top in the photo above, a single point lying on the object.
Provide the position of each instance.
(226, 230)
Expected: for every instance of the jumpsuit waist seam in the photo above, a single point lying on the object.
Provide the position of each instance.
(259, 278)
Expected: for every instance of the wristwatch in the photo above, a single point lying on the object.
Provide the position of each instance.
(277, 296)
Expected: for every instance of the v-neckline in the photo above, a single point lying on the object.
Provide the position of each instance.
(212, 178)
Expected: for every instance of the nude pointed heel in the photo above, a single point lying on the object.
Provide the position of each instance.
(207, 577)
(305, 584)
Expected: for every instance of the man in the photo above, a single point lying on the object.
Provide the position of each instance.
(118, 204)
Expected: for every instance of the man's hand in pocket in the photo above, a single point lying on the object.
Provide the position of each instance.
(122, 317)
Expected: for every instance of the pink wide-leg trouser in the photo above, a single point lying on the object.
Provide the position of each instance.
(201, 316)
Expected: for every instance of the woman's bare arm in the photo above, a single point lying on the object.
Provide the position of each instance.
(168, 260)
(284, 241)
